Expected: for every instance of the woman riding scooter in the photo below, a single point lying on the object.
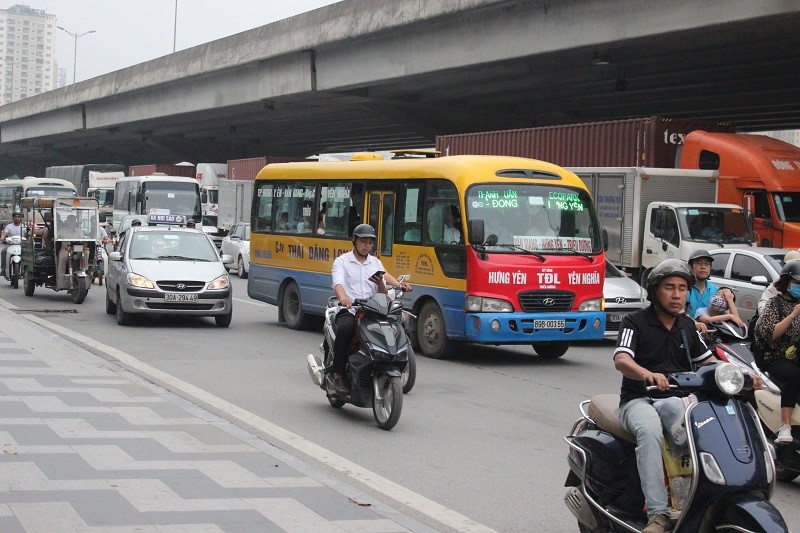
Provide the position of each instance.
(778, 332)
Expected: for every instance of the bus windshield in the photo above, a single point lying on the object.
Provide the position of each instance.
(171, 198)
(58, 192)
(521, 217)
(105, 197)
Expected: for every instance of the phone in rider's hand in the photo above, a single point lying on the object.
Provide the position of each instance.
(379, 273)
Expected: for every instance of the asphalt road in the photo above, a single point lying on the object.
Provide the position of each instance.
(481, 434)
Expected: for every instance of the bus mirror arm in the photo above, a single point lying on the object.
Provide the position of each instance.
(476, 231)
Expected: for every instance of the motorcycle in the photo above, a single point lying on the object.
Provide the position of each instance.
(13, 258)
(409, 377)
(378, 357)
(730, 346)
(723, 481)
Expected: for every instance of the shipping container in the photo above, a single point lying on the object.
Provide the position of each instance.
(650, 142)
(247, 169)
(187, 171)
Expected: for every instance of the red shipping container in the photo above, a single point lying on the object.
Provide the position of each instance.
(641, 142)
(187, 171)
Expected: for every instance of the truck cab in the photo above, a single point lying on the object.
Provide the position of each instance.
(758, 172)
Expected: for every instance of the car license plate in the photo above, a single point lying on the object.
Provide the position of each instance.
(615, 317)
(548, 324)
(178, 297)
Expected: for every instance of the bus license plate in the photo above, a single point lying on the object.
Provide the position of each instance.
(178, 297)
(548, 324)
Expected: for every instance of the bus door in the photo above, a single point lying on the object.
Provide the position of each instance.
(380, 209)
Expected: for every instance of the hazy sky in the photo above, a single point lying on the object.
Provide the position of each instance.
(128, 32)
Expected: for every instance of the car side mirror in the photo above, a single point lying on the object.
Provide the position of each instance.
(115, 256)
(226, 259)
(759, 280)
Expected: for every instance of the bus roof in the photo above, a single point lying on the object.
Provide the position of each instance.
(462, 170)
(31, 181)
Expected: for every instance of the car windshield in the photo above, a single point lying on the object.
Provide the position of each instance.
(721, 225)
(172, 245)
(521, 218)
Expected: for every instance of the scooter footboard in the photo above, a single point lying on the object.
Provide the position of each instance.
(746, 512)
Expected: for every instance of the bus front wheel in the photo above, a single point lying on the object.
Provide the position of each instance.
(550, 350)
(292, 307)
(431, 332)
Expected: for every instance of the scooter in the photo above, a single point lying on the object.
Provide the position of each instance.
(722, 482)
(767, 400)
(13, 258)
(379, 354)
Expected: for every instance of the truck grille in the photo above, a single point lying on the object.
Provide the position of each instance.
(181, 286)
(554, 301)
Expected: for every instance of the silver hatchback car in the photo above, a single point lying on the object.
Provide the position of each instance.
(622, 296)
(168, 270)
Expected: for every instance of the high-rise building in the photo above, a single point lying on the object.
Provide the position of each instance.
(27, 52)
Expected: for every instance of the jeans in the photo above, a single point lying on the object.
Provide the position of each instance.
(640, 418)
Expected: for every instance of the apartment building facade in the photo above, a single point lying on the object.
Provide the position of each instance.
(27, 52)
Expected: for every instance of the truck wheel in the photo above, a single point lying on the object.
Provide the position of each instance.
(27, 284)
(431, 332)
(292, 307)
(550, 350)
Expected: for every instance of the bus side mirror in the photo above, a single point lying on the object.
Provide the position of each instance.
(604, 237)
(476, 231)
(204, 196)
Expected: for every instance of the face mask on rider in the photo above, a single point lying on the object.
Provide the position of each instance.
(794, 290)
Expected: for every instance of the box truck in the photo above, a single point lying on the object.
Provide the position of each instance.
(644, 228)
(95, 180)
(208, 176)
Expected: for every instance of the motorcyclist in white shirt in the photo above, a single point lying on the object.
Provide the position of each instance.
(13, 229)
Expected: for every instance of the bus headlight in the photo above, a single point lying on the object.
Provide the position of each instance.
(478, 304)
(592, 305)
(135, 280)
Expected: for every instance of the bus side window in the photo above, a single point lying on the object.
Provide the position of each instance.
(408, 213)
(262, 214)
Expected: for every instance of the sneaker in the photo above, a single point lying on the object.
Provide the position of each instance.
(340, 385)
(784, 434)
(658, 523)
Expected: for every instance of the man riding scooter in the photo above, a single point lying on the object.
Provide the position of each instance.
(14, 229)
(356, 274)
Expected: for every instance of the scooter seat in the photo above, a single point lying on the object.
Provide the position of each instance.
(604, 410)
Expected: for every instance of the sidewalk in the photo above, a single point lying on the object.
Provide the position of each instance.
(89, 446)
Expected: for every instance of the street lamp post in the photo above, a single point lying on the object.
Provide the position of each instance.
(75, 51)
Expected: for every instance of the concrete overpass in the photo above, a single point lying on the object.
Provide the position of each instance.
(377, 74)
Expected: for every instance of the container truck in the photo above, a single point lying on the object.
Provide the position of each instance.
(95, 180)
(186, 170)
(644, 228)
(758, 172)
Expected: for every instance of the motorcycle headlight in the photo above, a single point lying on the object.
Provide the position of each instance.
(135, 280)
(377, 351)
(478, 304)
(221, 282)
(729, 378)
(592, 305)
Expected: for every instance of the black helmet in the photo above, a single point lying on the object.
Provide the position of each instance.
(791, 270)
(666, 269)
(364, 231)
(700, 254)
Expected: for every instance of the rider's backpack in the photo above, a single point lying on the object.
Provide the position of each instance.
(757, 348)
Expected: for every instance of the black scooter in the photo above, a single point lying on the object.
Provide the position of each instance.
(728, 477)
(377, 360)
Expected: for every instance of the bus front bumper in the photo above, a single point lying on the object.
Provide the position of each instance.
(525, 328)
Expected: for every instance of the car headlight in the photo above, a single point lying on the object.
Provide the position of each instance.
(135, 280)
(478, 304)
(729, 378)
(592, 305)
(221, 282)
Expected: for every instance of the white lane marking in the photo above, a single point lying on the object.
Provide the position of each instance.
(251, 302)
(419, 503)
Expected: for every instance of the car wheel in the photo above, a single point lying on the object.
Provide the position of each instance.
(123, 318)
(223, 321)
(111, 307)
(240, 268)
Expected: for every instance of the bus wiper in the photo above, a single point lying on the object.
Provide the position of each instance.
(575, 252)
(523, 250)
